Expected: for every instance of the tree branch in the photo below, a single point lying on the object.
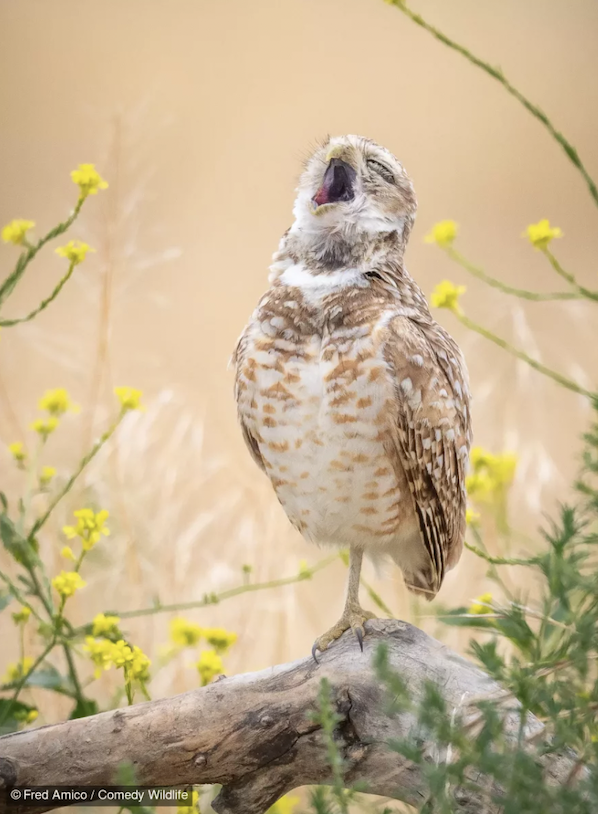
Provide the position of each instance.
(252, 733)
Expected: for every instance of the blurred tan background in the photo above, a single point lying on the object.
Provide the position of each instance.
(199, 114)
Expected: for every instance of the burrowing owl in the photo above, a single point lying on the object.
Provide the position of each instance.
(351, 398)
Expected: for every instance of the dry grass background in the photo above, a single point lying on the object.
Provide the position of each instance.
(198, 114)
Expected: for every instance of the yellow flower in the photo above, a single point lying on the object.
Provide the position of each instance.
(15, 672)
(220, 639)
(137, 669)
(491, 474)
(184, 633)
(480, 605)
(22, 617)
(45, 426)
(129, 398)
(90, 527)
(103, 625)
(192, 808)
(46, 475)
(209, 666)
(67, 553)
(443, 233)
(100, 652)
(16, 230)
(446, 295)
(18, 452)
(540, 234)
(31, 716)
(57, 402)
(74, 251)
(88, 179)
(471, 517)
(286, 805)
(67, 582)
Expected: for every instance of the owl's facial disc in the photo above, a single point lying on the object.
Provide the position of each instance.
(337, 185)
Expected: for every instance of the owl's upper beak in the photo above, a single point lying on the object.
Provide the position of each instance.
(337, 184)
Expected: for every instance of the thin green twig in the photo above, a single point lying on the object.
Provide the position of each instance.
(7, 323)
(69, 484)
(213, 599)
(570, 278)
(500, 560)
(497, 74)
(535, 296)
(546, 371)
(9, 284)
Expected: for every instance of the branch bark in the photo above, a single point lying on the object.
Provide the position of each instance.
(252, 734)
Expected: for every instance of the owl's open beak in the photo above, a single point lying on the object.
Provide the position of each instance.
(337, 184)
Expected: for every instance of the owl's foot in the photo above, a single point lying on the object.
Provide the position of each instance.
(354, 617)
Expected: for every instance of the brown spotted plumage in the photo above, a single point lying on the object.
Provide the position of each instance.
(351, 398)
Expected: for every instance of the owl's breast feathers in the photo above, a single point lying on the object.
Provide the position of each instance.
(355, 403)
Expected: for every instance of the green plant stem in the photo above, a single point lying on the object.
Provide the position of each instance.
(7, 323)
(69, 484)
(546, 371)
(79, 694)
(9, 284)
(24, 678)
(500, 560)
(535, 296)
(497, 74)
(584, 292)
(213, 599)
(19, 596)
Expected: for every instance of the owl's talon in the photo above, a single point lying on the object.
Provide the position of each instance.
(353, 618)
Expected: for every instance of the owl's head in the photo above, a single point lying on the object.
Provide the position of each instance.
(351, 191)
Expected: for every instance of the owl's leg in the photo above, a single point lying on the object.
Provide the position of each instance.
(354, 615)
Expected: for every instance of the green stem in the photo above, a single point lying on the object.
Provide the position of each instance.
(502, 343)
(499, 560)
(8, 286)
(69, 484)
(7, 323)
(497, 74)
(79, 694)
(216, 598)
(585, 292)
(24, 678)
(19, 596)
(506, 289)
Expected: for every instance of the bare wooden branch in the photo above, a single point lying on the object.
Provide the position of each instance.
(252, 733)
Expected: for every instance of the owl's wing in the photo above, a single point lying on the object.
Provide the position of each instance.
(430, 437)
(239, 361)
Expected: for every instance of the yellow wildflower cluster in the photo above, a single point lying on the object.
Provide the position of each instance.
(57, 402)
(471, 517)
(46, 475)
(105, 625)
(16, 231)
(67, 582)
(446, 295)
(130, 399)
(15, 672)
(540, 234)
(18, 452)
(75, 251)
(88, 179)
(45, 426)
(90, 527)
(491, 475)
(209, 666)
(27, 716)
(184, 633)
(21, 617)
(219, 638)
(443, 233)
(106, 654)
(286, 805)
(481, 605)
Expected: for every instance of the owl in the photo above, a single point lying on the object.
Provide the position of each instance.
(351, 398)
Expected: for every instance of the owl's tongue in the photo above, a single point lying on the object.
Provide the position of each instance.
(337, 184)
